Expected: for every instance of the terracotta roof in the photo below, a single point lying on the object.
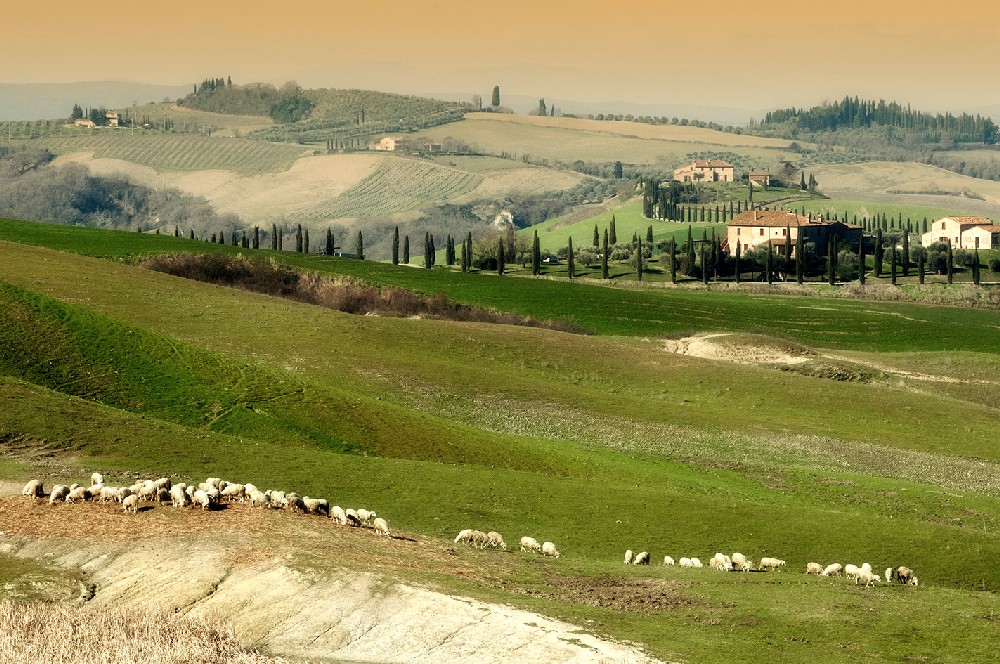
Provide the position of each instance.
(712, 163)
(969, 221)
(989, 229)
(772, 218)
(752, 173)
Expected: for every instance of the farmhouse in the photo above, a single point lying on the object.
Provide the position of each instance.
(757, 227)
(711, 170)
(85, 122)
(390, 144)
(759, 178)
(964, 232)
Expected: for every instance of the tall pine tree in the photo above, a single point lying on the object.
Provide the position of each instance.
(406, 249)
(570, 260)
(395, 246)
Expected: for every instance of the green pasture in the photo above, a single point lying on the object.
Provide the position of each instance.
(860, 209)
(596, 442)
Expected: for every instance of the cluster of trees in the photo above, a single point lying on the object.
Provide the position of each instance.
(289, 103)
(865, 113)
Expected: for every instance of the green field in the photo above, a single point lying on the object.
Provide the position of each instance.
(598, 443)
(860, 209)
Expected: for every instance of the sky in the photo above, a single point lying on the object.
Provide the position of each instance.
(722, 53)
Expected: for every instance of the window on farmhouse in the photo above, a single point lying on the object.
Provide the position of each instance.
(762, 231)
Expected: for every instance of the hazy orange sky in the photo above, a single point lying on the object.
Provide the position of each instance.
(727, 53)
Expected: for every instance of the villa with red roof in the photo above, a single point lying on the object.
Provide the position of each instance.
(711, 170)
(964, 233)
(757, 227)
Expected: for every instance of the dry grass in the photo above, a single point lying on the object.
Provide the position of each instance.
(53, 633)
(346, 294)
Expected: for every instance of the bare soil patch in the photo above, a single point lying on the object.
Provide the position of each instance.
(621, 594)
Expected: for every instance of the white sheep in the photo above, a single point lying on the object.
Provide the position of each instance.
(148, 491)
(696, 563)
(888, 574)
(131, 503)
(771, 563)
(381, 527)
(721, 562)
(34, 489)
(295, 502)
(668, 561)
(867, 576)
(530, 544)
(549, 549)
(178, 497)
(833, 569)
(479, 539)
(641, 558)
(464, 536)
(741, 563)
(686, 562)
(234, 492)
(248, 488)
(213, 481)
(495, 540)
(628, 556)
(79, 493)
(163, 483)
(904, 575)
(259, 499)
(109, 493)
(352, 516)
(96, 478)
(866, 567)
(59, 492)
(814, 568)
(338, 514)
(317, 506)
(851, 571)
(365, 515)
(201, 499)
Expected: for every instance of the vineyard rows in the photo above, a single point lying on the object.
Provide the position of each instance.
(183, 153)
(396, 185)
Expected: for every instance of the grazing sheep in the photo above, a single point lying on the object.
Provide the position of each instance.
(109, 493)
(866, 576)
(79, 493)
(833, 569)
(277, 498)
(259, 499)
(628, 557)
(866, 567)
(339, 515)
(478, 539)
(248, 488)
(904, 575)
(549, 549)
(148, 491)
(96, 478)
(163, 496)
(189, 490)
(365, 515)
(686, 562)
(641, 558)
(530, 544)
(163, 483)
(178, 498)
(295, 503)
(131, 503)
(888, 574)
(234, 492)
(354, 519)
(495, 540)
(721, 562)
(213, 481)
(914, 581)
(201, 499)
(851, 571)
(34, 489)
(317, 506)
(464, 536)
(696, 563)
(59, 492)
(741, 563)
(814, 568)
(381, 527)
(668, 561)
(771, 563)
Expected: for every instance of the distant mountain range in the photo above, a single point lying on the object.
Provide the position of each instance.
(47, 101)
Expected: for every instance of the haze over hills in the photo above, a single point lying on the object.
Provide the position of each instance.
(46, 101)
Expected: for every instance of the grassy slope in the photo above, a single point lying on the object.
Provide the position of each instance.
(720, 493)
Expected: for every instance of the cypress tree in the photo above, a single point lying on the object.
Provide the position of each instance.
(305, 242)
(951, 263)
(737, 268)
(788, 250)
(359, 247)
(395, 248)
(571, 264)
(406, 249)
(861, 260)
(892, 259)
(802, 183)
(614, 235)
(597, 237)
(831, 260)
(274, 237)
(975, 264)
(604, 257)
(800, 256)
(690, 252)
(192, 234)
(649, 234)
(468, 252)
(281, 240)
(500, 256)
(465, 257)
(673, 260)
(638, 260)
(704, 266)
(922, 265)
(767, 263)
(298, 239)
(536, 256)
(879, 251)
(177, 231)
(213, 238)
(906, 253)
(427, 250)
(256, 237)
(433, 252)
(234, 238)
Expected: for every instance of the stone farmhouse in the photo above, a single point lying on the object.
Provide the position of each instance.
(711, 170)
(759, 178)
(757, 227)
(390, 144)
(964, 232)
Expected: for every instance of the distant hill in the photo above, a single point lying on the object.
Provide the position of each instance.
(46, 101)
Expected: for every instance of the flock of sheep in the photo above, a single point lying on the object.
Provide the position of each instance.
(211, 492)
(205, 495)
(494, 540)
(740, 563)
